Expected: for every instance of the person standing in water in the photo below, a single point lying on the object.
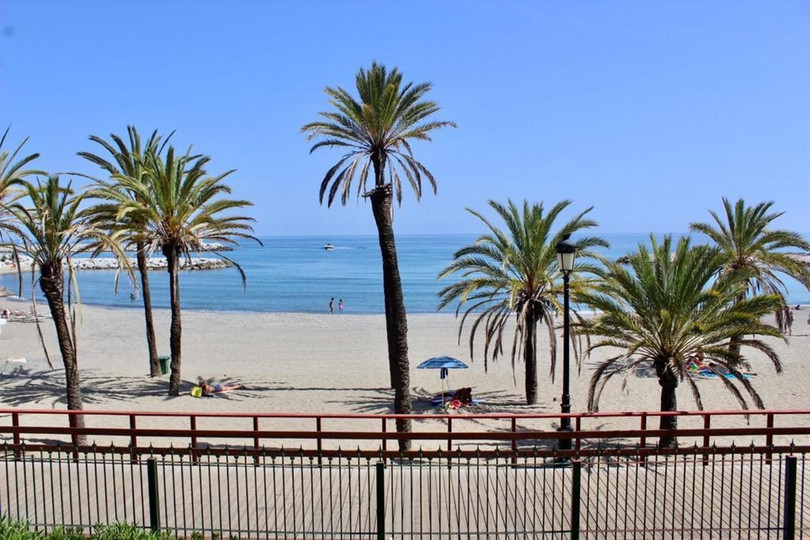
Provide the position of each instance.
(340, 305)
(332, 305)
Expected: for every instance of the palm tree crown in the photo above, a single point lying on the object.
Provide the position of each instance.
(11, 168)
(516, 273)
(751, 249)
(180, 205)
(375, 131)
(664, 309)
(12, 174)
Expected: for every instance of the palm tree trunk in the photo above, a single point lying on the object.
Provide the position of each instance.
(530, 358)
(176, 328)
(734, 344)
(154, 364)
(669, 400)
(52, 284)
(396, 321)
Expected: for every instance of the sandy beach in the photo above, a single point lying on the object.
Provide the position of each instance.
(307, 363)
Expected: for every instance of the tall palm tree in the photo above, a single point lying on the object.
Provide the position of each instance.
(50, 231)
(751, 249)
(376, 133)
(663, 309)
(515, 273)
(128, 160)
(180, 207)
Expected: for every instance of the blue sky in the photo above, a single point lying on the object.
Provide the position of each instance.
(648, 111)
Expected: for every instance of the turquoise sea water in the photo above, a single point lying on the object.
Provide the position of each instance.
(295, 274)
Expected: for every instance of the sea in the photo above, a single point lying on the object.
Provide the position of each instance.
(296, 274)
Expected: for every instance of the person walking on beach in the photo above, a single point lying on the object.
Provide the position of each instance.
(789, 321)
(340, 305)
(332, 305)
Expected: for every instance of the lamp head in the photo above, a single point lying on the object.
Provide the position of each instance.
(566, 253)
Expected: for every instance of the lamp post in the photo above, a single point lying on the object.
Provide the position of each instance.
(566, 253)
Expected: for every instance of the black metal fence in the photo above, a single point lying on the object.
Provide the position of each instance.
(600, 493)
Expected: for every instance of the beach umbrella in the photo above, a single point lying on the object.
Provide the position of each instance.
(444, 364)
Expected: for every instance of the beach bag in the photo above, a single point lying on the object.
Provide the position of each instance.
(196, 391)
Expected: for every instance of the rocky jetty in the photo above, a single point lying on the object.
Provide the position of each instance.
(107, 263)
(153, 263)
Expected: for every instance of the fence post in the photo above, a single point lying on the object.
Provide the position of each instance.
(380, 500)
(790, 498)
(154, 506)
(576, 482)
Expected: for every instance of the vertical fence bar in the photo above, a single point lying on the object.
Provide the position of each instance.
(769, 437)
(154, 503)
(576, 484)
(380, 466)
(384, 439)
(449, 431)
(789, 518)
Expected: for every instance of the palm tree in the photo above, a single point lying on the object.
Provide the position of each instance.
(128, 160)
(180, 207)
(376, 133)
(755, 252)
(516, 273)
(50, 231)
(664, 309)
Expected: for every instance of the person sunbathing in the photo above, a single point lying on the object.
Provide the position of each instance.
(211, 389)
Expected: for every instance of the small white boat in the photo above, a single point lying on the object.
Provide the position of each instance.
(328, 247)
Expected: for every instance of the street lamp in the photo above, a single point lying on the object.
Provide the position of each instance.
(566, 253)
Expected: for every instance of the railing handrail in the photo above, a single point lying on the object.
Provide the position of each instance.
(601, 414)
(141, 433)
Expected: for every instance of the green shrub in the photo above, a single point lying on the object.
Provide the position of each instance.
(11, 529)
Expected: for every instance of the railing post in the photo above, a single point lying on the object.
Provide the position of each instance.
(384, 430)
(514, 441)
(707, 424)
(380, 500)
(15, 423)
(576, 482)
(154, 506)
(643, 442)
(449, 430)
(133, 439)
(318, 441)
(769, 437)
(193, 425)
(790, 498)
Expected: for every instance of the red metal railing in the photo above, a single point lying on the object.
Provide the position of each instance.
(141, 432)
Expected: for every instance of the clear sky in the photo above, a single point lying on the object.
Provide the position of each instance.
(648, 111)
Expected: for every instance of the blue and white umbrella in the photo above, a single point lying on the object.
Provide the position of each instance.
(443, 364)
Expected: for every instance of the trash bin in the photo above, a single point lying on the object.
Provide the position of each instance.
(164, 364)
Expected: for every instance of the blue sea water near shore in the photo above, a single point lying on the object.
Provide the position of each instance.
(296, 274)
